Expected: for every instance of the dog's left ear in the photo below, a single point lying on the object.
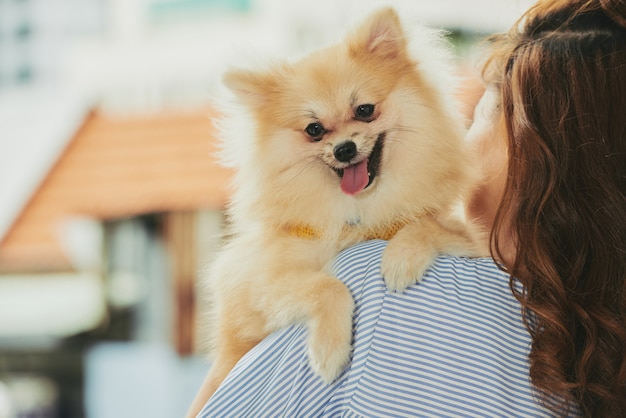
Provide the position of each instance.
(252, 88)
(381, 34)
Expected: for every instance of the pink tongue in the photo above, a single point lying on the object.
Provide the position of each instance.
(355, 178)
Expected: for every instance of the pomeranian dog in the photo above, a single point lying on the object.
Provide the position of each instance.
(353, 142)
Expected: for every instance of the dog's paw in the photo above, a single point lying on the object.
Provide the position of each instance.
(404, 264)
(329, 361)
(330, 336)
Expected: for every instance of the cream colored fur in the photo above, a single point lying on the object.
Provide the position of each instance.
(266, 278)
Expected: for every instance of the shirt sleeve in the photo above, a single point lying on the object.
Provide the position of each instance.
(453, 345)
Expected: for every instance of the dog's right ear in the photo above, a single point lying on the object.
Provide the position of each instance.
(380, 34)
(252, 88)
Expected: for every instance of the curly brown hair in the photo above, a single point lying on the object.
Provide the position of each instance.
(562, 73)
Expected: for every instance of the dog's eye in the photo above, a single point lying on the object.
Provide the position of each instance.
(364, 111)
(315, 130)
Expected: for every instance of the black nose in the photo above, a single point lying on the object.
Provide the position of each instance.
(345, 151)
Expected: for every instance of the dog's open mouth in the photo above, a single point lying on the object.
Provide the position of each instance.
(357, 177)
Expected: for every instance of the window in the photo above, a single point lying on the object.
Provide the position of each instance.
(166, 9)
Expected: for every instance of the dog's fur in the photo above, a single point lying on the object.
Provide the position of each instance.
(291, 212)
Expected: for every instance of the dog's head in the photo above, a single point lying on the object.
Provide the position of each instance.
(345, 112)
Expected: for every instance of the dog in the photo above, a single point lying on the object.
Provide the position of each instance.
(355, 141)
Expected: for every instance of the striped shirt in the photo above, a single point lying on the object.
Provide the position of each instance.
(453, 345)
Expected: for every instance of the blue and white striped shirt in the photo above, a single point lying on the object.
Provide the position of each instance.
(453, 345)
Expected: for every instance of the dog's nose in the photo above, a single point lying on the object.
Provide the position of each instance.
(345, 151)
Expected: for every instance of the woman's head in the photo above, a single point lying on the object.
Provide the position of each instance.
(562, 79)
(563, 98)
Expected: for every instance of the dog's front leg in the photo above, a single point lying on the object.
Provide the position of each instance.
(411, 251)
(324, 304)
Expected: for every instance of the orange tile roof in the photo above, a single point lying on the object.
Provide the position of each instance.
(116, 167)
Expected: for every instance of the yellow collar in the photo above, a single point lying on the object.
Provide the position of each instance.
(302, 231)
(307, 232)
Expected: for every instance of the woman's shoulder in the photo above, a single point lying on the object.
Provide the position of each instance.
(362, 262)
(455, 335)
(464, 294)
(370, 251)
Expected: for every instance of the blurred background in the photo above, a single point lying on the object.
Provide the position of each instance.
(110, 198)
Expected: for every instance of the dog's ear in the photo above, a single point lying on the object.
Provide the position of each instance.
(252, 88)
(380, 34)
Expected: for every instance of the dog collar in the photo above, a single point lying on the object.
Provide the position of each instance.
(307, 232)
(302, 231)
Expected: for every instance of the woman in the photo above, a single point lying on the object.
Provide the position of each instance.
(542, 330)
(564, 201)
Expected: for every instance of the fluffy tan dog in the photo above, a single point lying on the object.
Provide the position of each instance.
(353, 142)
